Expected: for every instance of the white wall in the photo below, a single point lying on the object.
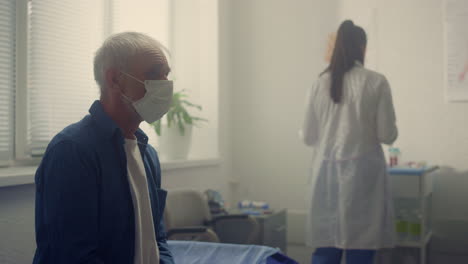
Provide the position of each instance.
(409, 46)
(411, 55)
(17, 240)
(277, 53)
(408, 37)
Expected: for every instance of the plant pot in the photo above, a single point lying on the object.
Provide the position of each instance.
(173, 145)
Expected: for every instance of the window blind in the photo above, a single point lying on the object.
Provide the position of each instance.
(7, 78)
(63, 37)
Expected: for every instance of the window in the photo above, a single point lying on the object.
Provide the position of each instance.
(63, 36)
(147, 16)
(46, 64)
(194, 35)
(7, 78)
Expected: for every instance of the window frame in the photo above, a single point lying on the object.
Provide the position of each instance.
(6, 158)
(21, 153)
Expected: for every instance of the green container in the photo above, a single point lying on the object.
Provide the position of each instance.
(401, 226)
(415, 228)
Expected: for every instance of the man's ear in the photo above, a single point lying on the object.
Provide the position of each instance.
(113, 79)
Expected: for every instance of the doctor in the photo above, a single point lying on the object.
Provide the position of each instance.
(349, 114)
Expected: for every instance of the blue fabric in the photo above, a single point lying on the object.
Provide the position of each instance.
(191, 252)
(410, 171)
(279, 258)
(327, 256)
(333, 256)
(84, 209)
(360, 256)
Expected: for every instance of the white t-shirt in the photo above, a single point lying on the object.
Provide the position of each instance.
(146, 249)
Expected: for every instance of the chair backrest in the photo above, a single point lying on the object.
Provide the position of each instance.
(186, 207)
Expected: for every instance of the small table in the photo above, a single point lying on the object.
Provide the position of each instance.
(272, 226)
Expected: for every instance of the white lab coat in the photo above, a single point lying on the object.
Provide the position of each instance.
(350, 196)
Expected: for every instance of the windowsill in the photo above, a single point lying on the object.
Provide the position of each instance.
(17, 175)
(13, 176)
(191, 163)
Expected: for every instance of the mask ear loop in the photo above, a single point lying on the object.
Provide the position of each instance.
(126, 98)
(122, 94)
(134, 78)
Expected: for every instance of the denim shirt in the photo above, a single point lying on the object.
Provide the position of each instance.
(84, 209)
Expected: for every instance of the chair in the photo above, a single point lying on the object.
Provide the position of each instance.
(187, 217)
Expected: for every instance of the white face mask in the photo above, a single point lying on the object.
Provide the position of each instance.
(156, 101)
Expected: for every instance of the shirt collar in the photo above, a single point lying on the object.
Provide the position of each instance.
(142, 138)
(109, 128)
(358, 63)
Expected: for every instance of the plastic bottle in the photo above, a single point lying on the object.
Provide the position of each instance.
(414, 225)
(260, 205)
(394, 155)
(245, 204)
(401, 225)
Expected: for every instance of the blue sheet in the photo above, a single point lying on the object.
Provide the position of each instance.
(410, 171)
(191, 252)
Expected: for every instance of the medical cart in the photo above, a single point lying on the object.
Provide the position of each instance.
(413, 191)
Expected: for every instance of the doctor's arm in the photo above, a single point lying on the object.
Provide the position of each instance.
(387, 131)
(309, 132)
(67, 195)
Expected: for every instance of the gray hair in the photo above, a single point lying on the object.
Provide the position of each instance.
(117, 51)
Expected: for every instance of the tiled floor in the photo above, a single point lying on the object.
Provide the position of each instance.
(300, 253)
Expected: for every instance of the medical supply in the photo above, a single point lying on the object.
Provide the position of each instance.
(216, 202)
(401, 225)
(260, 205)
(414, 225)
(394, 155)
(415, 165)
(408, 219)
(253, 205)
(244, 204)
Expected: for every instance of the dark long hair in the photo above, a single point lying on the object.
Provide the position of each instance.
(350, 44)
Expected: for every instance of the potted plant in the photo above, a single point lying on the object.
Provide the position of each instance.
(175, 135)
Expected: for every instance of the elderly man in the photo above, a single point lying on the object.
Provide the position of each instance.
(99, 196)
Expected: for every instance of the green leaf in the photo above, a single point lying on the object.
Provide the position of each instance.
(187, 117)
(181, 125)
(170, 118)
(178, 113)
(199, 119)
(191, 104)
(177, 116)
